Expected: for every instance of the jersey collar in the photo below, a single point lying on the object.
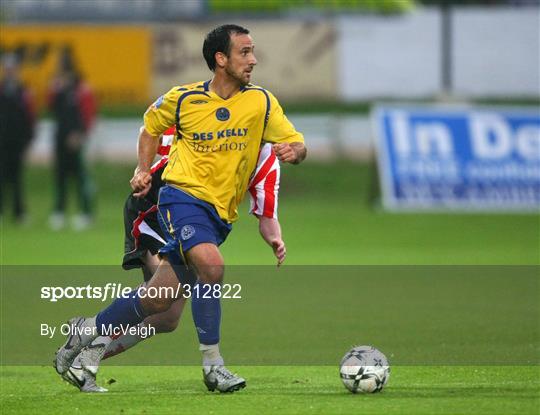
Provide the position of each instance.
(206, 86)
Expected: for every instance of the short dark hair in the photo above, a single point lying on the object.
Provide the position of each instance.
(219, 40)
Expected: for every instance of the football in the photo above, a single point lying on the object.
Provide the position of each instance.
(364, 369)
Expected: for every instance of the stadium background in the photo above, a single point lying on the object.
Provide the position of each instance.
(328, 62)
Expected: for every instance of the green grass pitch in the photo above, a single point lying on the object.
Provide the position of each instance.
(279, 390)
(466, 344)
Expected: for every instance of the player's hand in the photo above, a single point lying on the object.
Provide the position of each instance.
(280, 250)
(285, 153)
(141, 183)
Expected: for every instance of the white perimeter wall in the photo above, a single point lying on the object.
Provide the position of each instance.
(389, 56)
(496, 52)
(328, 136)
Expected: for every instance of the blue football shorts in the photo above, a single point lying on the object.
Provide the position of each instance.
(187, 221)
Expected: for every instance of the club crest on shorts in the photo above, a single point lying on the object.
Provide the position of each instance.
(187, 232)
(223, 114)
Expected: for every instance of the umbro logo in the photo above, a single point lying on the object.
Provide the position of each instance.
(199, 102)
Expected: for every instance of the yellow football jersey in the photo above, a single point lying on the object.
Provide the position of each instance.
(217, 141)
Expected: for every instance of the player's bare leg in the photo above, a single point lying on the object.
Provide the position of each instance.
(83, 371)
(128, 311)
(208, 264)
(165, 282)
(151, 264)
(165, 322)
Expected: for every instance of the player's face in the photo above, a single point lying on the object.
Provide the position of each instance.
(241, 59)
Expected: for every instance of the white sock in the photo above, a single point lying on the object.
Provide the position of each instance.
(124, 342)
(78, 362)
(211, 355)
(88, 330)
(90, 361)
(104, 340)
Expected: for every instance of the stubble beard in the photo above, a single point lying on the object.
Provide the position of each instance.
(238, 78)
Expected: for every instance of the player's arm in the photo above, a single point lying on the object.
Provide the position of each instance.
(270, 230)
(293, 153)
(263, 192)
(157, 119)
(288, 143)
(147, 146)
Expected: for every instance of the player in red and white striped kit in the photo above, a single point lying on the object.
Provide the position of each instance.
(144, 238)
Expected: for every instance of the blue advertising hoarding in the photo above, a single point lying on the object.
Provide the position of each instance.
(459, 158)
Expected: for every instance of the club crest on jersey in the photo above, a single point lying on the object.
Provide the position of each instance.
(223, 114)
(187, 232)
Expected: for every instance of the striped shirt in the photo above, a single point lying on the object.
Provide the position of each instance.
(264, 185)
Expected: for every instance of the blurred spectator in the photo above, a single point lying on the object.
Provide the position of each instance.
(73, 106)
(17, 120)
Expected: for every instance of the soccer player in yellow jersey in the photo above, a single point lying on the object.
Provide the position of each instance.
(220, 125)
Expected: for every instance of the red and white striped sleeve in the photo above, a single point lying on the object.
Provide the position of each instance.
(164, 149)
(166, 141)
(264, 186)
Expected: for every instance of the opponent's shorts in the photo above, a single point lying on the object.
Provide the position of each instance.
(143, 233)
(187, 221)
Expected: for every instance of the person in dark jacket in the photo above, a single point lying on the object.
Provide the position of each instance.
(73, 107)
(17, 120)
